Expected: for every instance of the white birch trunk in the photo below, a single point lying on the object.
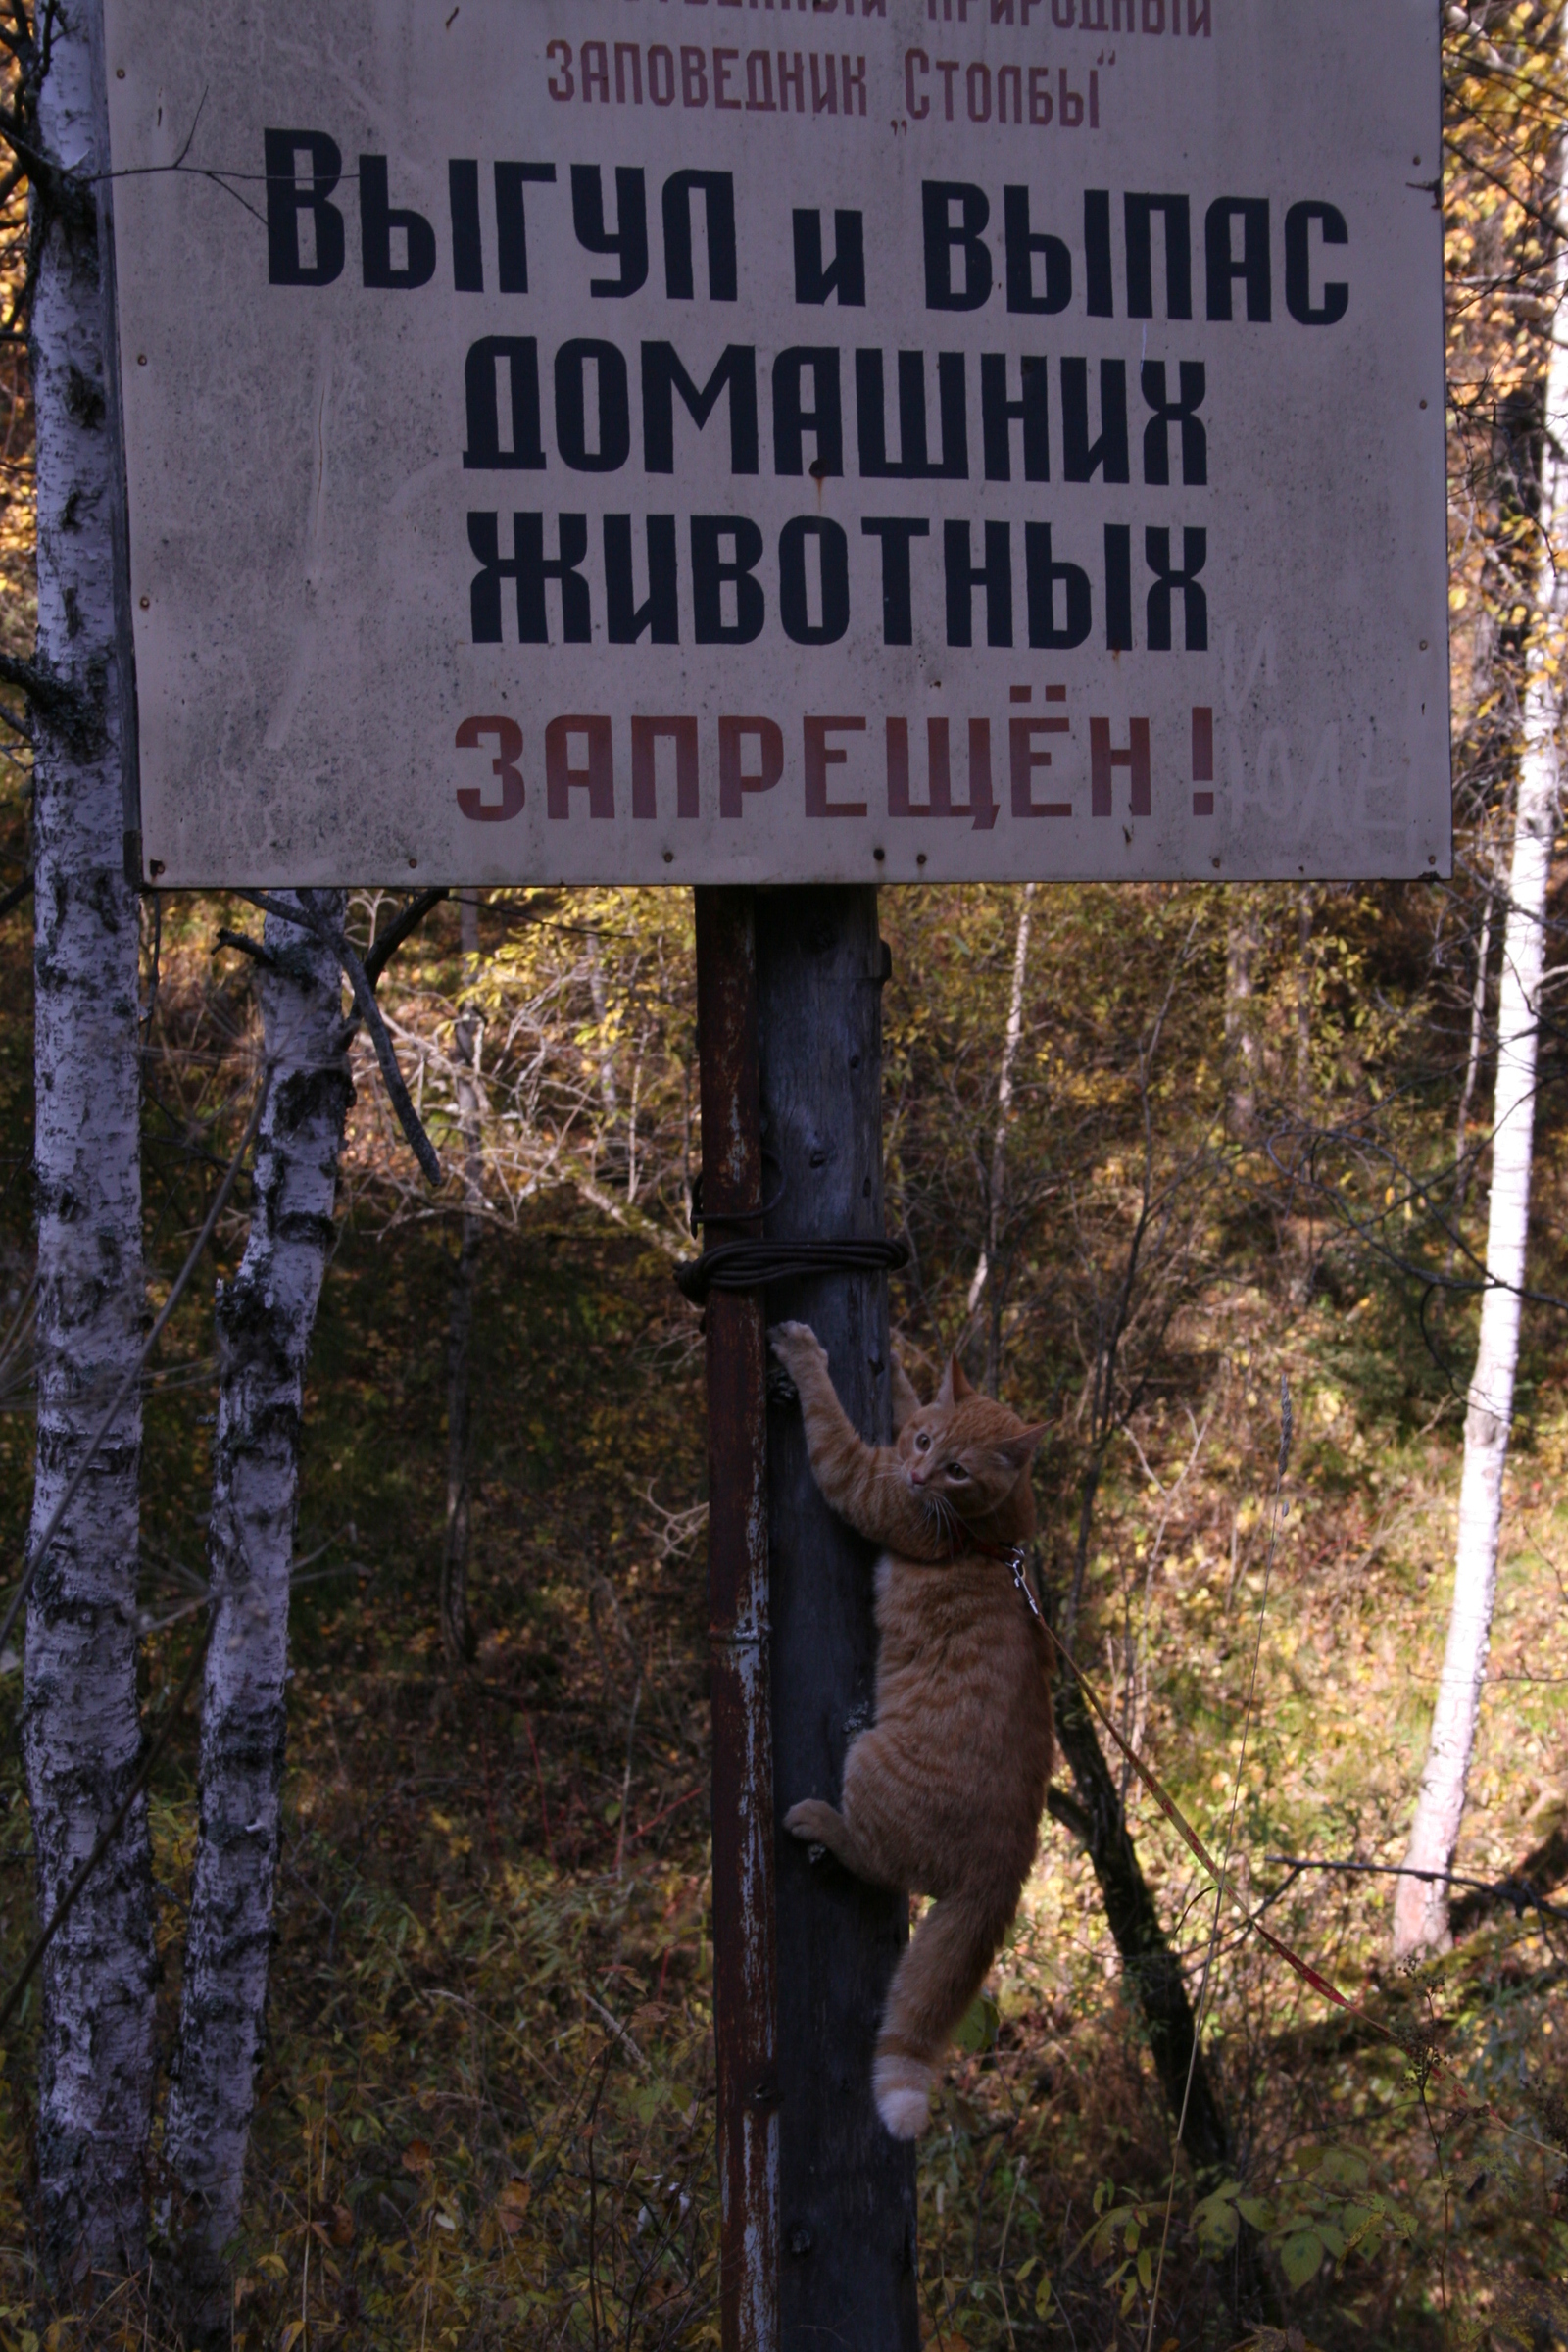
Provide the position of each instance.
(265, 1318)
(81, 1732)
(1421, 1910)
(1304, 999)
(1240, 1013)
(607, 1055)
(457, 1628)
(1472, 1068)
(999, 1148)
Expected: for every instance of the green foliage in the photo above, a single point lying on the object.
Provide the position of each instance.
(1323, 2210)
(978, 2030)
(1125, 2228)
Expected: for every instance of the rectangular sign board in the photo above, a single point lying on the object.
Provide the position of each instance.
(783, 440)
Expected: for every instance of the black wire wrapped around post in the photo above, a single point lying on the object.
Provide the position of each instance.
(753, 1266)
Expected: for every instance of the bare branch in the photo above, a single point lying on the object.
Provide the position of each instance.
(307, 916)
(44, 692)
(383, 950)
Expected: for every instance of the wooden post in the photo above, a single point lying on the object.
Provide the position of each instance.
(847, 2206)
(744, 1978)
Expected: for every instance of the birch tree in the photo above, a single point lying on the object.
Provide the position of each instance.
(1464, 1160)
(1421, 1903)
(997, 1188)
(1304, 902)
(1243, 945)
(80, 1732)
(265, 1318)
(467, 1041)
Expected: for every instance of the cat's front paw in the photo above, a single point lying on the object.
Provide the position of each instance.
(798, 1348)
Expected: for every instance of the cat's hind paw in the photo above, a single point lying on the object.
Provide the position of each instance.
(812, 1822)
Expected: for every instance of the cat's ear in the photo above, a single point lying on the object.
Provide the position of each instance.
(954, 1387)
(1019, 1449)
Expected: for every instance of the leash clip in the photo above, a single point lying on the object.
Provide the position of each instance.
(1015, 1556)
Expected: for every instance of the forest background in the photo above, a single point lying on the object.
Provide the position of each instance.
(1155, 1151)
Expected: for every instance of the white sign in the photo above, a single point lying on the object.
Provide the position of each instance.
(680, 440)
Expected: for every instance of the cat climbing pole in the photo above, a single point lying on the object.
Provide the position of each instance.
(629, 472)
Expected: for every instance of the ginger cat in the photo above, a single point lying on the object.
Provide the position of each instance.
(943, 1795)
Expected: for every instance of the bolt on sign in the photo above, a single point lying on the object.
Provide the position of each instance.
(783, 440)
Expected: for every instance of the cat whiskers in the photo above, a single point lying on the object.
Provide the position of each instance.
(939, 1509)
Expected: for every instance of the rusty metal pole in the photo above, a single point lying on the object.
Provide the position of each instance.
(745, 1962)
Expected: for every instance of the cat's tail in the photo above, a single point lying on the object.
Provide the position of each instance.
(933, 1986)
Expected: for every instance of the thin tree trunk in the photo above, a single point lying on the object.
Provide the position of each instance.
(1098, 1818)
(1464, 1167)
(999, 1150)
(607, 1052)
(265, 1318)
(1100, 1814)
(1303, 1001)
(1152, 1969)
(1241, 1035)
(81, 1732)
(457, 1628)
(1421, 1910)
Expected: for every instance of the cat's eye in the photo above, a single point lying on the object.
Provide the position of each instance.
(956, 1470)
(924, 1441)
